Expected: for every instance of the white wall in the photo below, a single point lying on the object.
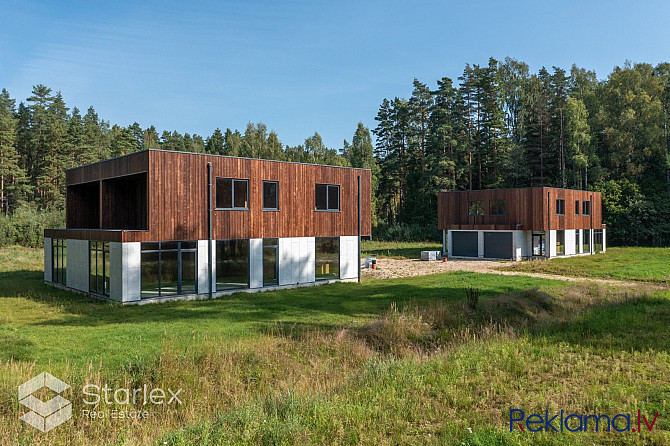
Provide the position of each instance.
(256, 263)
(77, 264)
(570, 242)
(48, 260)
(203, 267)
(604, 240)
(349, 265)
(551, 243)
(116, 271)
(296, 260)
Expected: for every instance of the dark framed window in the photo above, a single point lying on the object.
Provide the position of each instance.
(497, 207)
(59, 261)
(576, 207)
(98, 261)
(476, 208)
(270, 265)
(598, 240)
(586, 240)
(327, 197)
(232, 194)
(270, 196)
(560, 243)
(586, 208)
(168, 268)
(538, 244)
(232, 264)
(327, 258)
(560, 206)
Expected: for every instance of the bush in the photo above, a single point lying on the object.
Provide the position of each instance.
(26, 226)
(384, 232)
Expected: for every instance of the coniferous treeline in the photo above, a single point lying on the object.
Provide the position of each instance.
(503, 126)
(498, 126)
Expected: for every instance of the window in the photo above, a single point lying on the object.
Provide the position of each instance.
(327, 258)
(58, 265)
(327, 197)
(598, 240)
(586, 208)
(270, 273)
(538, 244)
(576, 207)
(560, 243)
(232, 193)
(560, 207)
(232, 264)
(98, 254)
(586, 240)
(475, 208)
(168, 268)
(497, 207)
(270, 195)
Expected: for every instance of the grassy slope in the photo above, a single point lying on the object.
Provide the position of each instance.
(643, 264)
(278, 367)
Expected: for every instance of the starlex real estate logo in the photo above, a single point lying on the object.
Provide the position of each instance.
(44, 415)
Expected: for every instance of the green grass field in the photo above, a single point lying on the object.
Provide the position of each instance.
(397, 250)
(639, 264)
(383, 362)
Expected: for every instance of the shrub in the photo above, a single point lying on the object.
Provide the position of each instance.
(26, 225)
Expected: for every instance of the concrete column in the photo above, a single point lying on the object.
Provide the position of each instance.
(48, 260)
(256, 263)
(551, 243)
(348, 257)
(213, 278)
(580, 236)
(480, 244)
(203, 267)
(604, 242)
(444, 243)
(308, 271)
(131, 271)
(116, 278)
(449, 243)
(77, 264)
(570, 242)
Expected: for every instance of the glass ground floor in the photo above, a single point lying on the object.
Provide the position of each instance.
(145, 271)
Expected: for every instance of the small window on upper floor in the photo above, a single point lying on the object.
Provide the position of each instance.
(497, 207)
(270, 196)
(327, 197)
(560, 206)
(476, 208)
(576, 207)
(232, 194)
(586, 208)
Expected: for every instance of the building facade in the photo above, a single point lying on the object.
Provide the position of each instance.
(522, 223)
(158, 225)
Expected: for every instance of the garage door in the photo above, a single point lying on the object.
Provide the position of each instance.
(464, 243)
(498, 245)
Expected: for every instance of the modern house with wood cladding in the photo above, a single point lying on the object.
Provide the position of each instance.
(158, 225)
(522, 223)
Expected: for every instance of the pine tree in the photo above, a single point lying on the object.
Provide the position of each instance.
(12, 177)
(214, 143)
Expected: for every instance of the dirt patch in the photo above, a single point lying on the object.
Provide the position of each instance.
(394, 268)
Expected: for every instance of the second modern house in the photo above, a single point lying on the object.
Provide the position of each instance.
(521, 223)
(157, 225)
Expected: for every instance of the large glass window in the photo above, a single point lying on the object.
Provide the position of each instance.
(327, 258)
(232, 264)
(327, 197)
(270, 195)
(560, 243)
(598, 240)
(232, 193)
(497, 207)
(586, 208)
(59, 260)
(98, 268)
(586, 240)
(270, 273)
(476, 208)
(560, 206)
(538, 244)
(168, 268)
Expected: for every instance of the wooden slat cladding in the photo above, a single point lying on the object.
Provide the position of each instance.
(177, 197)
(526, 208)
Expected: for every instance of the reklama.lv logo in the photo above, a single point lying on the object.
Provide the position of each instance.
(578, 423)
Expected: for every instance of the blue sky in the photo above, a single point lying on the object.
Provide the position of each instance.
(297, 66)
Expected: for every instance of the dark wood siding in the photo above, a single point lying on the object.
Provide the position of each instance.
(177, 197)
(526, 208)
